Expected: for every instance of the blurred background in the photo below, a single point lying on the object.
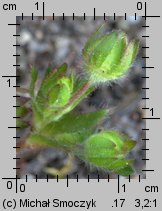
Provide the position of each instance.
(53, 42)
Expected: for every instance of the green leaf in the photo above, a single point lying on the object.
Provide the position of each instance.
(48, 72)
(64, 141)
(34, 75)
(71, 122)
(72, 129)
(20, 123)
(69, 141)
(37, 115)
(35, 138)
(21, 111)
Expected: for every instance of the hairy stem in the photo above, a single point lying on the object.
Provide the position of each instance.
(79, 93)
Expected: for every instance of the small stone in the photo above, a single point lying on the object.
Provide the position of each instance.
(25, 37)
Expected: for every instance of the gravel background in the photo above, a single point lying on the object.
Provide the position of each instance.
(55, 42)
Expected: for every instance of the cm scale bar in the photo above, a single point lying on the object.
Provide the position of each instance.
(20, 183)
(41, 5)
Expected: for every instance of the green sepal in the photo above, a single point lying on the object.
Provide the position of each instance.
(49, 82)
(61, 93)
(128, 145)
(125, 171)
(92, 42)
(102, 50)
(50, 79)
(113, 57)
(108, 150)
(127, 59)
(40, 103)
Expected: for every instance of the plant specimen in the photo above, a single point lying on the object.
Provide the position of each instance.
(106, 57)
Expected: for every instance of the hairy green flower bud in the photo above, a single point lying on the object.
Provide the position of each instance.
(108, 150)
(108, 57)
(61, 92)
